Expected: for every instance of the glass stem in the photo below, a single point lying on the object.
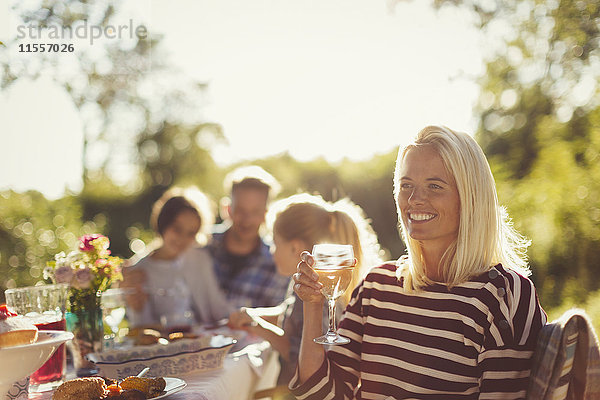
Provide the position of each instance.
(331, 304)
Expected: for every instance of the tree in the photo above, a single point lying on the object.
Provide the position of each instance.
(135, 108)
(126, 93)
(539, 125)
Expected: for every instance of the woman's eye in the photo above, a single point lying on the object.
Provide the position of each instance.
(434, 186)
(405, 186)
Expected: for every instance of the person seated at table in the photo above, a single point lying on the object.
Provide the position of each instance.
(456, 318)
(174, 285)
(298, 223)
(242, 261)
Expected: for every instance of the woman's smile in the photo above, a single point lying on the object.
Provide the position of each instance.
(419, 217)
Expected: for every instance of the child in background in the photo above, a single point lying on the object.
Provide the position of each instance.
(300, 222)
(174, 285)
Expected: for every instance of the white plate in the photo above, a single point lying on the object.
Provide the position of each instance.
(174, 385)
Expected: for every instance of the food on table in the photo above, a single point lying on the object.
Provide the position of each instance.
(112, 389)
(151, 387)
(15, 329)
(147, 336)
(92, 388)
(182, 335)
(110, 382)
(143, 337)
(97, 388)
(129, 394)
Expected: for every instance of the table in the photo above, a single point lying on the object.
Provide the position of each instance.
(238, 380)
(252, 368)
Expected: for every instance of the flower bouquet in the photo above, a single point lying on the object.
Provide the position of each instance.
(89, 271)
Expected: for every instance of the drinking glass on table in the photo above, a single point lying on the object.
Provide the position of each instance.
(334, 263)
(45, 307)
(174, 307)
(113, 313)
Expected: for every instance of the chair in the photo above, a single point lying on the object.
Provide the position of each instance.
(566, 361)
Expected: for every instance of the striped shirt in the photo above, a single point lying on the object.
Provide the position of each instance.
(474, 341)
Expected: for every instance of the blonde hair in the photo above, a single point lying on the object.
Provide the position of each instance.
(313, 220)
(485, 234)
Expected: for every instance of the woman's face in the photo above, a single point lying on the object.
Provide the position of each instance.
(180, 235)
(286, 254)
(428, 198)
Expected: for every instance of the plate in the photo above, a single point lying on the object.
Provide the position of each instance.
(173, 385)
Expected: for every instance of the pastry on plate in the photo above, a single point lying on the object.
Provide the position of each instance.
(92, 388)
(15, 329)
(95, 388)
(151, 387)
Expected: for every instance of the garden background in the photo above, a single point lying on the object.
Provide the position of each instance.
(538, 119)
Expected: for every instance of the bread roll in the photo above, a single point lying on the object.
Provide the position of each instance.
(92, 388)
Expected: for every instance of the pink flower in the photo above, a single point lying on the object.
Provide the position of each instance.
(85, 241)
(83, 278)
(101, 262)
(63, 274)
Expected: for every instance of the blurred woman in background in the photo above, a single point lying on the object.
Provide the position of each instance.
(297, 224)
(174, 286)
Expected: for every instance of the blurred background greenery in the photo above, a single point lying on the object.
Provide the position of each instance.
(539, 124)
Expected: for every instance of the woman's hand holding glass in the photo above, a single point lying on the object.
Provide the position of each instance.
(333, 273)
(306, 281)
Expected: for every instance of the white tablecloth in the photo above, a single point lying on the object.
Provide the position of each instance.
(253, 368)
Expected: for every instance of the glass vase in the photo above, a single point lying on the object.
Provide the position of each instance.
(84, 320)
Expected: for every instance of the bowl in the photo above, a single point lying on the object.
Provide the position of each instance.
(17, 362)
(181, 357)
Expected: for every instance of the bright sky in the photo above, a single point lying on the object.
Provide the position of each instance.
(333, 78)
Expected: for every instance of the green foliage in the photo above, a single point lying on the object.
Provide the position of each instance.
(170, 154)
(591, 305)
(540, 114)
(32, 230)
(370, 185)
(129, 99)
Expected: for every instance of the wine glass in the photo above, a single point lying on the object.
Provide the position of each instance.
(334, 263)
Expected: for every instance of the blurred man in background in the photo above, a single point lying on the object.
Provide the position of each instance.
(242, 260)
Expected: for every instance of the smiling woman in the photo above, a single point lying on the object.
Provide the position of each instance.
(456, 317)
(448, 176)
(429, 203)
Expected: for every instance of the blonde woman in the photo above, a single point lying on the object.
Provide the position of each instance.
(456, 318)
(298, 223)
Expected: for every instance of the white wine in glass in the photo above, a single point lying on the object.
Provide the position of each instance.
(334, 263)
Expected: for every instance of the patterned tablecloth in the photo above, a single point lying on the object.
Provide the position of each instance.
(252, 368)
